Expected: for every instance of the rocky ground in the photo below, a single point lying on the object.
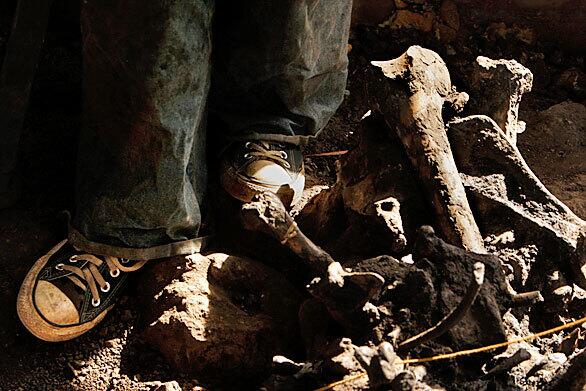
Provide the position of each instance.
(116, 355)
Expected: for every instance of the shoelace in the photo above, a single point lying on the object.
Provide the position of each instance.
(89, 273)
(262, 149)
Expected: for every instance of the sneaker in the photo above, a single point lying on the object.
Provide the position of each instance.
(66, 293)
(252, 167)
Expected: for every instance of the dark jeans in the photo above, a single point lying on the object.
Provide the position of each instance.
(278, 71)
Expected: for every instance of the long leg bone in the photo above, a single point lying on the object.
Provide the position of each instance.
(338, 289)
(424, 84)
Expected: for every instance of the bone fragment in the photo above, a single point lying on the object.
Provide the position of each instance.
(526, 298)
(388, 210)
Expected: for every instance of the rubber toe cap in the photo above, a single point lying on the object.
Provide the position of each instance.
(54, 305)
(268, 172)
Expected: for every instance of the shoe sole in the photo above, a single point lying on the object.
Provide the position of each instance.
(243, 190)
(34, 322)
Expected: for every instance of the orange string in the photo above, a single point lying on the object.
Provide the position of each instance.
(462, 352)
(333, 153)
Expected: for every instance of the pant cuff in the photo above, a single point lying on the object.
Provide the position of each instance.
(279, 138)
(185, 247)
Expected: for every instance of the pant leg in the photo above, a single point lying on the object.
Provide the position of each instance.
(280, 66)
(142, 174)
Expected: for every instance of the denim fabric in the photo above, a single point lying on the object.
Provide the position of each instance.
(279, 68)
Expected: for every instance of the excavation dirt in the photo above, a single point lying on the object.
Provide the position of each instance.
(351, 209)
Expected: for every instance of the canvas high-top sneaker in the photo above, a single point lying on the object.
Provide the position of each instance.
(252, 167)
(67, 292)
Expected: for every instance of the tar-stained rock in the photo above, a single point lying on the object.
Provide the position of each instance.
(400, 278)
(451, 269)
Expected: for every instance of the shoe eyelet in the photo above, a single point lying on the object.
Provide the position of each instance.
(287, 165)
(247, 145)
(247, 156)
(105, 289)
(124, 260)
(284, 155)
(95, 303)
(59, 266)
(73, 259)
(114, 273)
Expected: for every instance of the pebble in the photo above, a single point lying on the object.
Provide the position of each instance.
(112, 343)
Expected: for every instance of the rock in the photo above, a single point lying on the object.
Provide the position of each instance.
(449, 21)
(505, 363)
(371, 12)
(405, 381)
(573, 80)
(407, 19)
(546, 370)
(167, 386)
(284, 366)
(578, 302)
(449, 14)
(401, 278)
(500, 31)
(219, 316)
(340, 358)
(554, 147)
(517, 261)
(451, 268)
(498, 86)
(540, 4)
(570, 377)
(570, 343)
(314, 322)
(112, 343)
(382, 364)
